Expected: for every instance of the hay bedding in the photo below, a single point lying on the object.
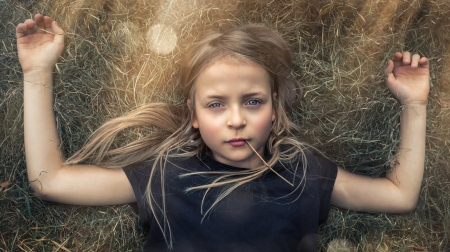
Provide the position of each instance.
(113, 63)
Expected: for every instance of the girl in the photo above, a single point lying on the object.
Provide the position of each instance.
(225, 172)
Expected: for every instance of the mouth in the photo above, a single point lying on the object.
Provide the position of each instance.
(237, 142)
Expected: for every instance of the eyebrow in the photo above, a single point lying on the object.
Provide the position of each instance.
(245, 96)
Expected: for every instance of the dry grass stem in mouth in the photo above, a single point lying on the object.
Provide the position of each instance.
(267, 165)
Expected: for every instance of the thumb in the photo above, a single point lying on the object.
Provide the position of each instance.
(389, 71)
(389, 68)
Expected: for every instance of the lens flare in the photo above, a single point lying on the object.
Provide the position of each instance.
(161, 39)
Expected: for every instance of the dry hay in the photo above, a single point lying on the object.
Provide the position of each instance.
(340, 47)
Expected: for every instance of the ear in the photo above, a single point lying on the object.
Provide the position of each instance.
(194, 121)
(274, 100)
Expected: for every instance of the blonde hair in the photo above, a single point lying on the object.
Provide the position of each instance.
(249, 43)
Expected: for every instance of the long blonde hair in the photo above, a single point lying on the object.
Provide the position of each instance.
(176, 137)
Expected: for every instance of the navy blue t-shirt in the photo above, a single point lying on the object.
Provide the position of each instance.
(266, 214)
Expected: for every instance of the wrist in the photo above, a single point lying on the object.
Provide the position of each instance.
(37, 74)
(38, 70)
(38, 79)
(414, 103)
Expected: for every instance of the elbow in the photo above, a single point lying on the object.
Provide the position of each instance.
(408, 206)
(411, 207)
(405, 200)
(39, 188)
(44, 192)
(36, 181)
(42, 184)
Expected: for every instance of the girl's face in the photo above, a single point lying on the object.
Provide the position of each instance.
(233, 103)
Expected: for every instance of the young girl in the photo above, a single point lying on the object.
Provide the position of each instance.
(224, 172)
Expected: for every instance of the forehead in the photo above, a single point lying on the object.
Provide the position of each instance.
(230, 75)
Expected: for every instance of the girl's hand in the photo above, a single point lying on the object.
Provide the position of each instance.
(40, 42)
(408, 78)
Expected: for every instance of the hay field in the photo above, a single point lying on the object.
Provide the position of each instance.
(123, 53)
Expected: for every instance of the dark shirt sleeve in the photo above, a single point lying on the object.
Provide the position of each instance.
(325, 172)
(138, 175)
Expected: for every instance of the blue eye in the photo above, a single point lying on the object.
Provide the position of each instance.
(215, 105)
(253, 102)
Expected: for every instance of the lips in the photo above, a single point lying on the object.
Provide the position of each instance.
(237, 142)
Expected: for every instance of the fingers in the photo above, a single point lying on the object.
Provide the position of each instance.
(59, 37)
(398, 59)
(406, 59)
(30, 26)
(20, 30)
(43, 23)
(25, 28)
(48, 23)
(424, 62)
(40, 26)
(415, 60)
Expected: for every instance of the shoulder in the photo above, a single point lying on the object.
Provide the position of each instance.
(317, 178)
(315, 164)
(313, 173)
(317, 172)
(322, 166)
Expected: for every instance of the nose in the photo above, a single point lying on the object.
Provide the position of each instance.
(236, 118)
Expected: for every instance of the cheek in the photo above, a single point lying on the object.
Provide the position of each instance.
(206, 122)
(210, 131)
(264, 123)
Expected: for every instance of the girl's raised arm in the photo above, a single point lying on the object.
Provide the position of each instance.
(40, 43)
(408, 81)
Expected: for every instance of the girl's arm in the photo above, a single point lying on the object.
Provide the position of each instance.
(408, 81)
(40, 43)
